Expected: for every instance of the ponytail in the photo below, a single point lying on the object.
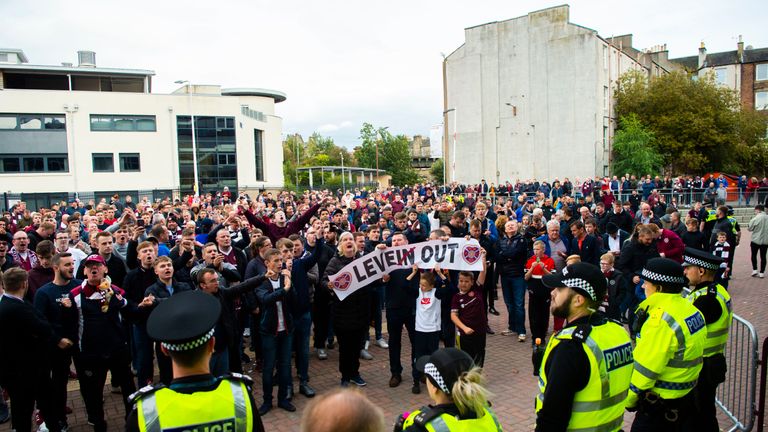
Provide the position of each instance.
(469, 393)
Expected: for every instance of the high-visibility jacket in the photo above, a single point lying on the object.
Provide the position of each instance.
(224, 409)
(600, 405)
(717, 332)
(448, 423)
(669, 350)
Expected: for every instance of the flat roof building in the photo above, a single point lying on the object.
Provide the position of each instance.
(95, 131)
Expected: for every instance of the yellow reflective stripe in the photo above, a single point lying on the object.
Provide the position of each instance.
(651, 375)
(682, 364)
(601, 404)
(495, 419)
(241, 416)
(717, 333)
(149, 410)
(598, 353)
(714, 349)
(439, 425)
(678, 331)
(610, 426)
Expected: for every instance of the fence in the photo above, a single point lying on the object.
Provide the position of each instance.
(736, 396)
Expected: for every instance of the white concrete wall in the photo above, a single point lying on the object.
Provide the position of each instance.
(158, 150)
(529, 99)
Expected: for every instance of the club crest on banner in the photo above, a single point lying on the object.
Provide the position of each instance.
(342, 282)
(471, 253)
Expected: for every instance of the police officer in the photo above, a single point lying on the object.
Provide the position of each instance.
(195, 399)
(457, 387)
(588, 364)
(668, 351)
(714, 303)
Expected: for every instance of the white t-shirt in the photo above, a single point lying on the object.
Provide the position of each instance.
(427, 312)
(279, 306)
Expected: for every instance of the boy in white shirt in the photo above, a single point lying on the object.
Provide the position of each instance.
(431, 292)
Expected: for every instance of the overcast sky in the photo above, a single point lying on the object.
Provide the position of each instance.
(341, 63)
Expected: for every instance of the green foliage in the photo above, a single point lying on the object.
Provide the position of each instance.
(633, 149)
(394, 154)
(437, 170)
(696, 125)
(317, 151)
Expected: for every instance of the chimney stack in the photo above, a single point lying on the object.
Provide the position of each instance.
(740, 49)
(702, 55)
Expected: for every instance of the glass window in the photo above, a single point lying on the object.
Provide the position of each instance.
(10, 164)
(259, 154)
(8, 122)
(34, 164)
(57, 164)
(721, 75)
(28, 122)
(761, 72)
(123, 124)
(103, 162)
(54, 122)
(146, 124)
(99, 123)
(130, 162)
(761, 100)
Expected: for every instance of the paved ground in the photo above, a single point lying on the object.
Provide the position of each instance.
(508, 368)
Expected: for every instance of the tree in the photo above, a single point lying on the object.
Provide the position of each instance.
(633, 149)
(393, 151)
(437, 170)
(697, 125)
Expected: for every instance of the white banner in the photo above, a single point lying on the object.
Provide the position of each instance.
(454, 254)
(436, 141)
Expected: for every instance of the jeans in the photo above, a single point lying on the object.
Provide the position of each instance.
(219, 363)
(513, 288)
(276, 350)
(92, 374)
(396, 320)
(143, 349)
(350, 344)
(425, 343)
(301, 331)
(754, 250)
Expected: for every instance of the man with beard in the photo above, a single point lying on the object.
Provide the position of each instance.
(52, 301)
(571, 390)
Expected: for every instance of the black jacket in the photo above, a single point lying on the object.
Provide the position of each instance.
(354, 312)
(161, 293)
(24, 340)
(590, 249)
(622, 220)
(512, 253)
(633, 257)
(268, 299)
(227, 327)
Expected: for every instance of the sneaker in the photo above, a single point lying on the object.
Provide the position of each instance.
(358, 381)
(247, 332)
(493, 311)
(761, 275)
(381, 343)
(754, 273)
(395, 380)
(345, 383)
(521, 338)
(42, 428)
(506, 332)
(322, 354)
(286, 406)
(365, 355)
(416, 389)
(264, 408)
(488, 330)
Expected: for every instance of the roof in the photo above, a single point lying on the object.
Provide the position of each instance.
(20, 53)
(77, 70)
(724, 58)
(278, 96)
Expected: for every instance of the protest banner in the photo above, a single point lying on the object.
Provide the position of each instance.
(454, 254)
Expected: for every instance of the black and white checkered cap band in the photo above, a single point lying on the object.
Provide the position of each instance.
(661, 278)
(701, 263)
(581, 284)
(431, 370)
(189, 345)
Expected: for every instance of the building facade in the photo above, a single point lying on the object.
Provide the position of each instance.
(96, 131)
(531, 97)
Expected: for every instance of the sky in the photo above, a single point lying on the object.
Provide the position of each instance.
(341, 63)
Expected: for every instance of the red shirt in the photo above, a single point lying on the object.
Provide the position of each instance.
(471, 308)
(549, 264)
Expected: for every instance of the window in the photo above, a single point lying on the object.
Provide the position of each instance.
(259, 154)
(32, 122)
(123, 123)
(605, 98)
(103, 162)
(33, 163)
(761, 72)
(605, 138)
(216, 152)
(721, 75)
(761, 100)
(227, 159)
(605, 57)
(130, 162)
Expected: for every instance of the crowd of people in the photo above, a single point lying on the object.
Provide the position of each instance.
(92, 274)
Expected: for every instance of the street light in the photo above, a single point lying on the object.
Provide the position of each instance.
(194, 141)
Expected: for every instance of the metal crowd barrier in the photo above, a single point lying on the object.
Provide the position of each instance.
(736, 396)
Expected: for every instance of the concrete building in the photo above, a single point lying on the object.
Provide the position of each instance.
(744, 70)
(531, 97)
(96, 131)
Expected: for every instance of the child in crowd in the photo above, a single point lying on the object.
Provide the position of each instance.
(538, 265)
(617, 288)
(468, 314)
(432, 290)
(721, 248)
(692, 237)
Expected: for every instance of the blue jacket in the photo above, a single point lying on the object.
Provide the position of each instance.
(300, 280)
(548, 250)
(268, 299)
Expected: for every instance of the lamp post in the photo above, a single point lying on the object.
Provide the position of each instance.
(343, 183)
(196, 180)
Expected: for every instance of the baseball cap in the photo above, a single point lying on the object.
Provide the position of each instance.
(94, 258)
(585, 278)
(444, 367)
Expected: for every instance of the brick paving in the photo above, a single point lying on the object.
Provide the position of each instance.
(508, 368)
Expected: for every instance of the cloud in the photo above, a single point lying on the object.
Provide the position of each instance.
(331, 127)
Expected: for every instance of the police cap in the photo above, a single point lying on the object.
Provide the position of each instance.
(701, 259)
(585, 278)
(185, 321)
(664, 272)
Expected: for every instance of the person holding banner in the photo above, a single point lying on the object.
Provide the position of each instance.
(350, 316)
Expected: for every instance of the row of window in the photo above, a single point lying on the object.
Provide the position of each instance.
(32, 122)
(761, 100)
(33, 163)
(123, 123)
(105, 162)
